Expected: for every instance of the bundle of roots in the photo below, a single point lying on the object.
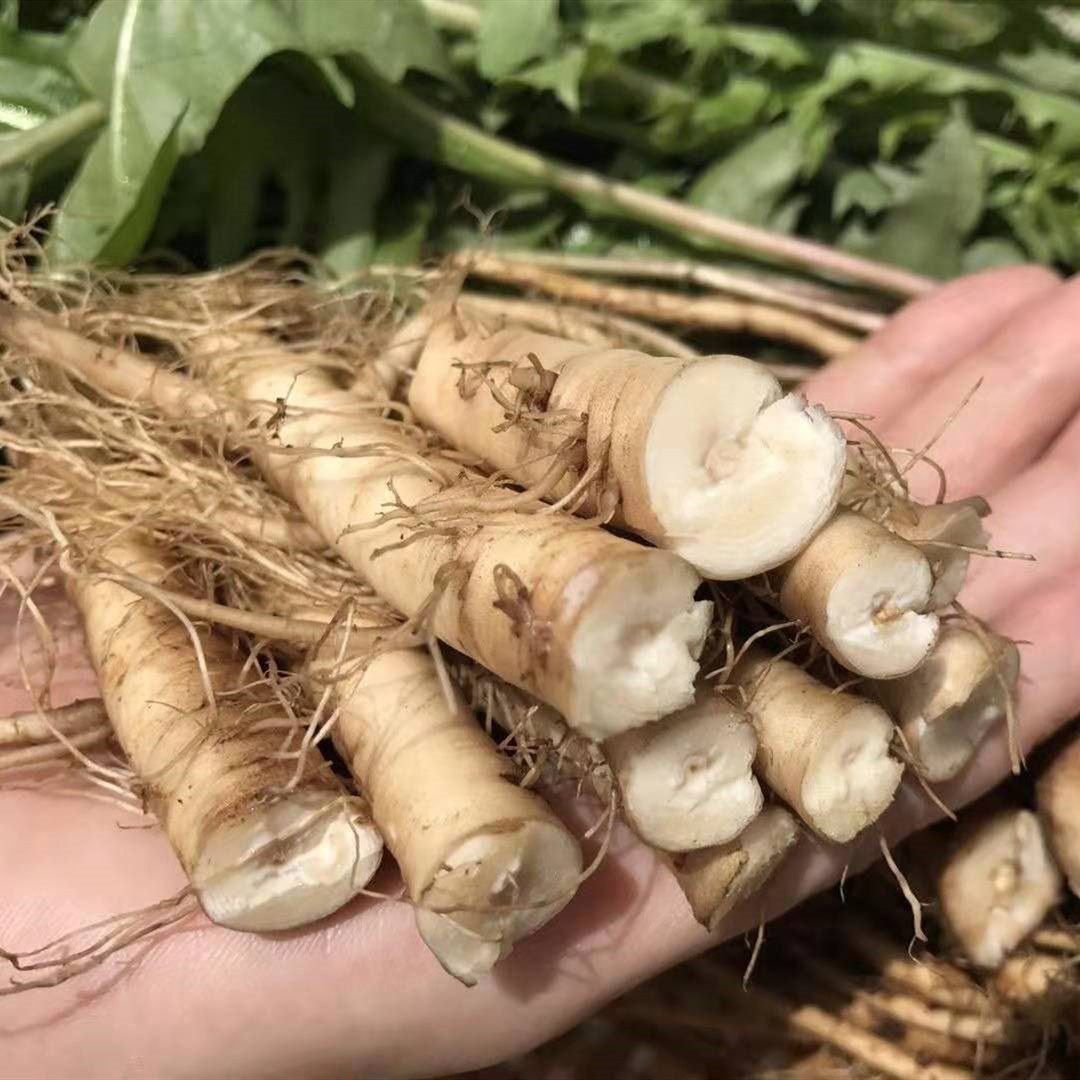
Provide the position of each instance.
(359, 567)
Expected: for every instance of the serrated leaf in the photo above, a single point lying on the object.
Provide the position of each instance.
(167, 67)
(861, 188)
(395, 36)
(1052, 69)
(163, 99)
(31, 92)
(626, 25)
(513, 32)
(750, 182)
(927, 228)
(561, 75)
(107, 215)
(768, 46)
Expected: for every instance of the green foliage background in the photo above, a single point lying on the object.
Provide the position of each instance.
(939, 135)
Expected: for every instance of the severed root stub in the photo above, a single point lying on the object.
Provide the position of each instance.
(865, 594)
(946, 707)
(708, 456)
(1057, 795)
(260, 854)
(485, 862)
(943, 532)
(999, 885)
(686, 781)
(716, 879)
(826, 754)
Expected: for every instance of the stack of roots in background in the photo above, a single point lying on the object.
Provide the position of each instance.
(841, 989)
(380, 552)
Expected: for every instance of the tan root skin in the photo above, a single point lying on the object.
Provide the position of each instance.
(935, 529)
(1057, 795)
(484, 861)
(257, 861)
(865, 594)
(998, 886)
(708, 456)
(686, 781)
(826, 754)
(715, 880)
(601, 628)
(946, 707)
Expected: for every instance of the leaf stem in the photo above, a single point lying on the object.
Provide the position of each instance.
(30, 146)
(445, 138)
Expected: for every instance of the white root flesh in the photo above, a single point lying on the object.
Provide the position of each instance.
(946, 707)
(942, 532)
(484, 861)
(715, 880)
(998, 886)
(1057, 797)
(826, 754)
(684, 782)
(865, 594)
(710, 459)
(603, 629)
(258, 859)
(687, 781)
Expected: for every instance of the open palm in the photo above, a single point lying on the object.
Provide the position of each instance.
(359, 995)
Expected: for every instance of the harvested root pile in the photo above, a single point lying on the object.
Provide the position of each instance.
(840, 990)
(465, 561)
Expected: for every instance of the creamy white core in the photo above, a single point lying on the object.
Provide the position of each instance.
(875, 617)
(853, 778)
(635, 653)
(691, 784)
(287, 863)
(740, 476)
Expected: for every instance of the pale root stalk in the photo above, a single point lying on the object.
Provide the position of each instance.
(942, 532)
(603, 629)
(707, 456)
(949, 704)
(1058, 798)
(484, 861)
(715, 880)
(998, 886)
(258, 859)
(684, 782)
(865, 595)
(826, 754)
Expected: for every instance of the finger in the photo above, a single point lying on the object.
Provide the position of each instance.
(1030, 389)
(890, 369)
(1038, 513)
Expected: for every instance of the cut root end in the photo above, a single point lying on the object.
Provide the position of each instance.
(635, 651)
(686, 781)
(287, 863)
(740, 478)
(495, 889)
(999, 885)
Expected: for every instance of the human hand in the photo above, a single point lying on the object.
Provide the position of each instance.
(359, 995)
